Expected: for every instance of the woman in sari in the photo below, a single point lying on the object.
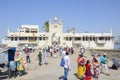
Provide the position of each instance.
(96, 65)
(88, 73)
(81, 66)
(20, 67)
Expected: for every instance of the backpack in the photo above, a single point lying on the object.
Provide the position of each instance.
(62, 63)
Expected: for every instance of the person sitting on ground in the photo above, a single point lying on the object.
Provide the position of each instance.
(20, 67)
(116, 64)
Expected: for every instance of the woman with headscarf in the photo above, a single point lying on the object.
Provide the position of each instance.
(20, 67)
(96, 65)
(81, 66)
(88, 73)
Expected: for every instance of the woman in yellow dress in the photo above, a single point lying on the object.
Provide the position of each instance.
(81, 66)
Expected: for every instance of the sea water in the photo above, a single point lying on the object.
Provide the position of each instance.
(117, 46)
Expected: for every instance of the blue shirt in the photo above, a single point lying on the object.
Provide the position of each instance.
(103, 59)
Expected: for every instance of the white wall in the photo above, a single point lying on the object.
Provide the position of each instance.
(69, 43)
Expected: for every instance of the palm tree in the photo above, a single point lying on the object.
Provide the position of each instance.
(46, 26)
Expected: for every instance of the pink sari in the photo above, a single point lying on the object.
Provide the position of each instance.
(96, 67)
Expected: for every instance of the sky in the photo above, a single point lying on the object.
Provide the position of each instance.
(84, 15)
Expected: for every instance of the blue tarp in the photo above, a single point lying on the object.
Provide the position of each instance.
(11, 53)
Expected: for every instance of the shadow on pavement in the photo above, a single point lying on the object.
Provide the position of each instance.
(61, 77)
(76, 75)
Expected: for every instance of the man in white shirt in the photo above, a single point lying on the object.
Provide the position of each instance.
(66, 66)
(63, 53)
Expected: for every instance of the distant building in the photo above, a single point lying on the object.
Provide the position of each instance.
(30, 34)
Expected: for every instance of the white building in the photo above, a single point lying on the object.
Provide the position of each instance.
(30, 34)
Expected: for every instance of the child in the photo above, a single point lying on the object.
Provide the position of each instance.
(40, 58)
(88, 73)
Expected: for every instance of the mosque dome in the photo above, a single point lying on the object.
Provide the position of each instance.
(55, 19)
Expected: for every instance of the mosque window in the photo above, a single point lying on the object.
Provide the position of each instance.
(80, 38)
(83, 38)
(93, 38)
(11, 38)
(33, 31)
(70, 38)
(27, 31)
(21, 38)
(44, 38)
(101, 38)
(108, 38)
(66, 38)
(90, 38)
(25, 38)
(15, 38)
(77, 38)
(40, 38)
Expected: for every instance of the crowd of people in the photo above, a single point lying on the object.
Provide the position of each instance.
(18, 65)
(84, 65)
(99, 64)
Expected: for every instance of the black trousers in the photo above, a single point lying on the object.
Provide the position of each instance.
(40, 60)
(28, 59)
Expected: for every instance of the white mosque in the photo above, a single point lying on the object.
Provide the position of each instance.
(30, 34)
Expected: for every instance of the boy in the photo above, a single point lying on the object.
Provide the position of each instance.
(40, 58)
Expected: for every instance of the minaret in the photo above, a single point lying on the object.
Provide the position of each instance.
(8, 30)
(61, 22)
(110, 31)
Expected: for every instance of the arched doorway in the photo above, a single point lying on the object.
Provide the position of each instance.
(55, 39)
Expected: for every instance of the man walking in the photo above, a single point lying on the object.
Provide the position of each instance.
(45, 55)
(103, 60)
(27, 55)
(66, 66)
